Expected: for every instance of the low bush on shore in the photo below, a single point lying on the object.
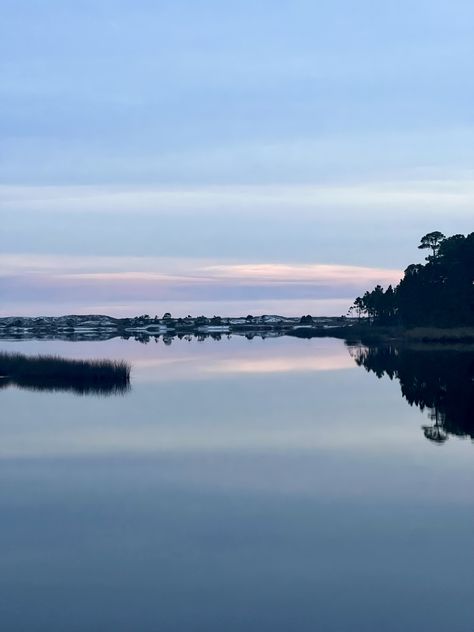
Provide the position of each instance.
(436, 334)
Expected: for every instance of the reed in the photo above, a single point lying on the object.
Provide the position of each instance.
(48, 372)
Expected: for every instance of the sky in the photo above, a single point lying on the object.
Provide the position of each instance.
(227, 157)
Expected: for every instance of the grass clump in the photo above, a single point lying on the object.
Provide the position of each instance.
(48, 372)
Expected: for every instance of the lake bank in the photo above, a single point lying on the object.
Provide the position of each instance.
(99, 327)
(374, 334)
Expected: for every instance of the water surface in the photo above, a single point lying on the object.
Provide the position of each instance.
(239, 485)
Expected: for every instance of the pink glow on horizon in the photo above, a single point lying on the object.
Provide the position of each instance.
(32, 282)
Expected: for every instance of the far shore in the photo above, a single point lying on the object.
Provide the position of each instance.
(100, 327)
(372, 334)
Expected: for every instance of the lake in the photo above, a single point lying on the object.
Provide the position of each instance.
(241, 485)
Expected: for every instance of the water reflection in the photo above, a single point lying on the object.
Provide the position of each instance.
(241, 485)
(439, 380)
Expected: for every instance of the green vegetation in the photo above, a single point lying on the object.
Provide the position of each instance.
(439, 293)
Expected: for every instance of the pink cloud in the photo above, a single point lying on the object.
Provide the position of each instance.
(304, 273)
(108, 280)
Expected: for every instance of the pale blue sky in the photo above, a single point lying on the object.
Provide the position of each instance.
(223, 133)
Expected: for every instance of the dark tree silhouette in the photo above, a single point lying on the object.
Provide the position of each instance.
(438, 293)
(433, 241)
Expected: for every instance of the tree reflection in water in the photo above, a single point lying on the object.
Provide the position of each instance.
(440, 380)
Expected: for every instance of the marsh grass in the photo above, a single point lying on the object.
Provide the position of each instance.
(43, 372)
(437, 334)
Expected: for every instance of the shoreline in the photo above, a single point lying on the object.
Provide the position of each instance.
(100, 327)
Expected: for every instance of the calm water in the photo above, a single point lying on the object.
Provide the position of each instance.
(239, 486)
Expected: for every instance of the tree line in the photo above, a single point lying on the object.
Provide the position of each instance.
(438, 293)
